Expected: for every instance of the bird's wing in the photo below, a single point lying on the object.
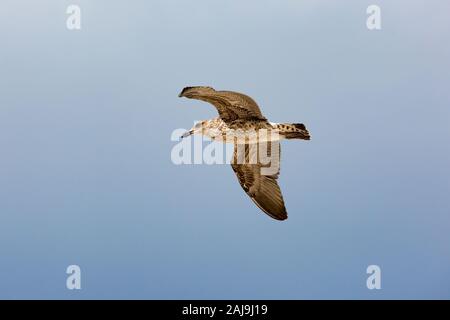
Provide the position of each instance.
(260, 185)
(230, 105)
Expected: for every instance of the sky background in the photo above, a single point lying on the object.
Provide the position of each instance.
(86, 176)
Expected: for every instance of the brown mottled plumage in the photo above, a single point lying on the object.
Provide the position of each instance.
(238, 112)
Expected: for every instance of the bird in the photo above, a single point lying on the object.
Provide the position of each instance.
(240, 115)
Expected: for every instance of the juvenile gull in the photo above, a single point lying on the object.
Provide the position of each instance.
(238, 116)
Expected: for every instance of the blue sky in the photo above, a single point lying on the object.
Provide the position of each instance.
(86, 176)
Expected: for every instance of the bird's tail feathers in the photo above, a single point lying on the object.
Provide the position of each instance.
(293, 131)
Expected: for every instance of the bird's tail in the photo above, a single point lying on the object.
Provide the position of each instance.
(293, 131)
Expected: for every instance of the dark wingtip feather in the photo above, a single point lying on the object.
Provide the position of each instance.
(187, 90)
(184, 91)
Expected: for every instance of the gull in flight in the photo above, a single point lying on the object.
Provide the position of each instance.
(239, 115)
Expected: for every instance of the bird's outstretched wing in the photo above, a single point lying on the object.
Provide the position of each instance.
(260, 185)
(230, 105)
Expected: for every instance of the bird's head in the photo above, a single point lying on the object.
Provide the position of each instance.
(197, 128)
(192, 92)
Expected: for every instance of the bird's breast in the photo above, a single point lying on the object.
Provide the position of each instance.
(243, 133)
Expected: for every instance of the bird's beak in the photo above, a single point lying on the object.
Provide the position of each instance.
(187, 134)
